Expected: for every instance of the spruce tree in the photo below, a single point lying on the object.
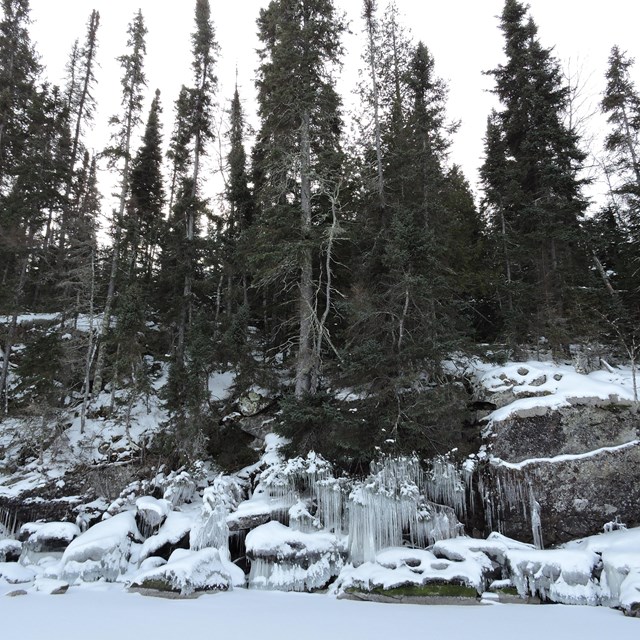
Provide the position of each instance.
(532, 189)
(299, 156)
(120, 154)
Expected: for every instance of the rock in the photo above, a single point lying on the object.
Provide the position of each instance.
(172, 535)
(51, 586)
(191, 571)
(523, 371)
(151, 514)
(10, 550)
(14, 573)
(252, 403)
(101, 552)
(49, 537)
(287, 560)
(17, 592)
(538, 382)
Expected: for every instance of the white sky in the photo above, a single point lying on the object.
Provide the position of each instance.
(462, 35)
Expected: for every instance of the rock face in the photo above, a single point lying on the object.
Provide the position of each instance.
(568, 430)
(580, 464)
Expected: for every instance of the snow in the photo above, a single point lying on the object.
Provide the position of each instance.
(106, 612)
(400, 566)
(9, 547)
(542, 386)
(14, 573)
(176, 526)
(220, 385)
(568, 457)
(103, 551)
(189, 571)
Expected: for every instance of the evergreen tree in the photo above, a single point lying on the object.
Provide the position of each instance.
(143, 226)
(621, 105)
(19, 69)
(81, 82)
(532, 190)
(299, 156)
(133, 83)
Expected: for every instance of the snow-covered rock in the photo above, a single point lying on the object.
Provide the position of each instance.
(102, 552)
(287, 560)
(173, 533)
(14, 573)
(50, 537)
(559, 575)
(151, 513)
(403, 567)
(10, 550)
(191, 571)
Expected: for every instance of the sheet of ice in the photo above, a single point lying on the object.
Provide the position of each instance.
(257, 614)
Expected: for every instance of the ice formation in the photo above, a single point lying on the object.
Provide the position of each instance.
(391, 504)
(218, 500)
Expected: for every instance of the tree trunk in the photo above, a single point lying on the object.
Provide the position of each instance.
(306, 359)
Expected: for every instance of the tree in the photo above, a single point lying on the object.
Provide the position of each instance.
(81, 81)
(146, 201)
(532, 190)
(133, 82)
(19, 69)
(299, 154)
(621, 105)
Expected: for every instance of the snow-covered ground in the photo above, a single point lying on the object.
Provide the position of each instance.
(105, 612)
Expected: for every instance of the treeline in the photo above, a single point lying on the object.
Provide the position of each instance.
(336, 260)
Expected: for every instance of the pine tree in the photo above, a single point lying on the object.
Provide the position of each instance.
(299, 155)
(532, 189)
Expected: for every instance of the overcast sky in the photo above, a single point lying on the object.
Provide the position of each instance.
(462, 35)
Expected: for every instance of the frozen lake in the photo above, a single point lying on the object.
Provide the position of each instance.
(105, 612)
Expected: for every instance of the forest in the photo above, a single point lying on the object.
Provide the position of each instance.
(340, 259)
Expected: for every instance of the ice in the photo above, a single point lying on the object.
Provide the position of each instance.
(189, 571)
(561, 575)
(103, 551)
(506, 491)
(288, 560)
(151, 514)
(181, 489)
(218, 500)
(620, 552)
(389, 504)
(176, 527)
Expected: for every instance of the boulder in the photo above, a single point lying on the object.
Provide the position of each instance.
(283, 559)
(191, 571)
(102, 552)
(49, 537)
(10, 550)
